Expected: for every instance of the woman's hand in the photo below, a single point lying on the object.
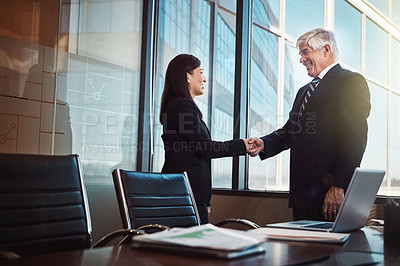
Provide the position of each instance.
(254, 146)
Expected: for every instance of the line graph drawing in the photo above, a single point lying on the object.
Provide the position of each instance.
(3, 137)
(96, 93)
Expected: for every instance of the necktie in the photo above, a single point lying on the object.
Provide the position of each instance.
(310, 90)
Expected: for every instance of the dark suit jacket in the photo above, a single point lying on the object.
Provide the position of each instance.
(329, 139)
(188, 146)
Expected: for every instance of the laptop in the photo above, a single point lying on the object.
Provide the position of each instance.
(355, 209)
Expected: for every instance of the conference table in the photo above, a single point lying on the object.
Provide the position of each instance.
(367, 241)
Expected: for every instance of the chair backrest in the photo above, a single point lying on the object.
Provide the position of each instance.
(155, 198)
(43, 204)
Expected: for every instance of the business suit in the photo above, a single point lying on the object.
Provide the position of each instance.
(188, 147)
(328, 141)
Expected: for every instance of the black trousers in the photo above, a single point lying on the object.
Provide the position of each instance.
(203, 213)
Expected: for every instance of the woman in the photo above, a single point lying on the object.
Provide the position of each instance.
(187, 141)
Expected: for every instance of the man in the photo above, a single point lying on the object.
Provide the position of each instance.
(326, 130)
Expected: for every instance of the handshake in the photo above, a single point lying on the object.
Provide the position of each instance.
(254, 146)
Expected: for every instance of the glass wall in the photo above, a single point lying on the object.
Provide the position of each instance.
(395, 66)
(381, 5)
(395, 11)
(70, 76)
(309, 14)
(98, 85)
(180, 32)
(376, 52)
(348, 31)
(28, 75)
(393, 184)
(223, 89)
(196, 36)
(363, 45)
(263, 92)
(266, 13)
(376, 152)
(69, 83)
(394, 144)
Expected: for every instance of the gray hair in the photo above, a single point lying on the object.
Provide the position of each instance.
(317, 39)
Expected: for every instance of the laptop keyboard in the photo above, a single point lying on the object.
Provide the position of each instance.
(327, 225)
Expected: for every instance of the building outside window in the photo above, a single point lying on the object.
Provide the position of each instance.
(275, 73)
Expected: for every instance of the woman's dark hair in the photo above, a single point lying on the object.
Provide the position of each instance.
(176, 84)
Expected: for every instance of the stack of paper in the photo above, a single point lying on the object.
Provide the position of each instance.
(205, 240)
(301, 235)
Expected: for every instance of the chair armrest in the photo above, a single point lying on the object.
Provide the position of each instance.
(152, 228)
(127, 234)
(248, 223)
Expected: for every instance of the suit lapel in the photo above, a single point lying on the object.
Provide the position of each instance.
(322, 88)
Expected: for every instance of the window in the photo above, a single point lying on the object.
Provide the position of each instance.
(223, 92)
(263, 103)
(381, 5)
(375, 156)
(308, 14)
(266, 13)
(228, 5)
(396, 12)
(348, 31)
(194, 36)
(394, 183)
(179, 32)
(376, 52)
(395, 69)
(98, 83)
(275, 74)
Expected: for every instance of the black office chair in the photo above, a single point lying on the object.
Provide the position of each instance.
(43, 205)
(156, 200)
(145, 199)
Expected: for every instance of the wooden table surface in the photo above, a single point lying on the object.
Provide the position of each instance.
(367, 241)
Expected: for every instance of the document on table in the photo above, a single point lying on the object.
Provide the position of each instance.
(301, 235)
(207, 236)
(205, 240)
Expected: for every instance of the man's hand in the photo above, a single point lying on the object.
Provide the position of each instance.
(257, 146)
(332, 202)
